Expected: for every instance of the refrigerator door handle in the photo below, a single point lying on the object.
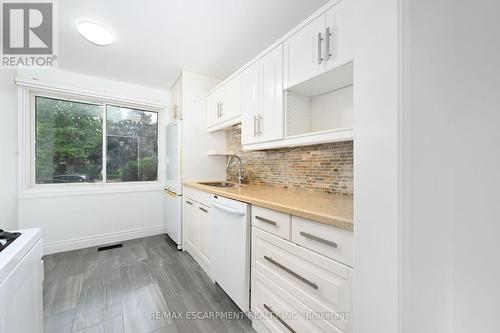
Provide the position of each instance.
(169, 192)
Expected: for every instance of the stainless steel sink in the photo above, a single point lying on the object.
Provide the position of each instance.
(218, 184)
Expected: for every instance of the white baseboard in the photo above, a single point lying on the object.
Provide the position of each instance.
(90, 241)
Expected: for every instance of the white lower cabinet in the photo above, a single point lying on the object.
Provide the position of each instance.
(204, 220)
(197, 224)
(324, 239)
(279, 311)
(190, 225)
(296, 289)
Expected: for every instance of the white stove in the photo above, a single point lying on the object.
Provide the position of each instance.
(6, 238)
(21, 278)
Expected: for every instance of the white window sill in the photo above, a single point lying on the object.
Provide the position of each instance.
(47, 191)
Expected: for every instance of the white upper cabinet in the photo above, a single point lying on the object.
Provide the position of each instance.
(341, 42)
(224, 105)
(262, 99)
(303, 52)
(213, 108)
(297, 92)
(271, 118)
(250, 97)
(323, 44)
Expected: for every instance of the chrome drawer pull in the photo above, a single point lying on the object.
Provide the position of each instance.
(292, 273)
(328, 34)
(320, 39)
(319, 239)
(255, 125)
(203, 209)
(268, 308)
(263, 219)
(189, 202)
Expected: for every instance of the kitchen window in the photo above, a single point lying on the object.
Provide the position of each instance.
(82, 142)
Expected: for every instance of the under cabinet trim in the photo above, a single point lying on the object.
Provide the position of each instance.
(304, 140)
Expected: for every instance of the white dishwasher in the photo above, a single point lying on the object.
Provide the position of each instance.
(230, 262)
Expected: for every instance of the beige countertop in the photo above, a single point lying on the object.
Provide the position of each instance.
(334, 209)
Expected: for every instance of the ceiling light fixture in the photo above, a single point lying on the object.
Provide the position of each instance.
(95, 33)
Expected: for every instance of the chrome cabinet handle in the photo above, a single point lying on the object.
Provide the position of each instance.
(263, 219)
(327, 43)
(319, 239)
(255, 125)
(268, 308)
(320, 59)
(260, 118)
(189, 202)
(203, 209)
(221, 109)
(218, 110)
(292, 273)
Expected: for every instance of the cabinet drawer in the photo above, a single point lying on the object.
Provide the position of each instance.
(272, 221)
(325, 239)
(322, 284)
(278, 311)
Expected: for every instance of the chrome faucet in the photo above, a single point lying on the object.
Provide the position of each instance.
(240, 173)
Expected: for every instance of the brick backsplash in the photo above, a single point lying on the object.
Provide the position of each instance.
(325, 167)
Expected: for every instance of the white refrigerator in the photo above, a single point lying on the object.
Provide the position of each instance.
(173, 186)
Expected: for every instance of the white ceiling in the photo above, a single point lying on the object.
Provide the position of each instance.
(156, 39)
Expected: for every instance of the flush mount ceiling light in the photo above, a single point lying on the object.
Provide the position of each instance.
(95, 33)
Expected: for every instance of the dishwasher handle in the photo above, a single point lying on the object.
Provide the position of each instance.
(228, 209)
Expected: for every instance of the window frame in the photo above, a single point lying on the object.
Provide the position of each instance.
(27, 148)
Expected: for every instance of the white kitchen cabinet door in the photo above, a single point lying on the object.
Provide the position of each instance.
(340, 23)
(262, 99)
(251, 96)
(213, 108)
(204, 222)
(270, 119)
(190, 225)
(224, 105)
(231, 99)
(304, 57)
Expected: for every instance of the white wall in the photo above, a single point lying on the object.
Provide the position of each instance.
(376, 172)
(8, 151)
(451, 163)
(74, 222)
(196, 139)
(87, 82)
(77, 221)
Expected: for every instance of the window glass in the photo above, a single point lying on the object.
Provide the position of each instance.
(68, 141)
(132, 145)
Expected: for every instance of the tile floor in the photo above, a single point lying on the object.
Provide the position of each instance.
(119, 290)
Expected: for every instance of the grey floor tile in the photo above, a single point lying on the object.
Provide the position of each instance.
(62, 294)
(111, 326)
(118, 290)
(60, 322)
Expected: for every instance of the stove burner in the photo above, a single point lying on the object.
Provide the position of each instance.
(6, 238)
